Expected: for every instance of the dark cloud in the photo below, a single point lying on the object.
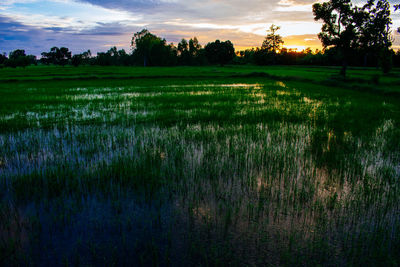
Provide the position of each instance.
(55, 29)
(105, 29)
(15, 35)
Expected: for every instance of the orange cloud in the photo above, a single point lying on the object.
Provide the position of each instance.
(302, 41)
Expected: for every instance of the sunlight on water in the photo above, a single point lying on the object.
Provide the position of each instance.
(281, 84)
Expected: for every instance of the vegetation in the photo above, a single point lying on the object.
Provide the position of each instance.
(211, 161)
(351, 29)
(220, 52)
(152, 49)
(272, 41)
(57, 56)
(355, 36)
(17, 58)
(220, 167)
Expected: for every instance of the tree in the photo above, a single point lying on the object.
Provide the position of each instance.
(220, 52)
(18, 58)
(17, 54)
(273, 41)
(152, 49)
(189, 52)
(338, 29)
(76, 60)
(80, 59)
(183, 52)
(63, 56)
(375, 33)
(194, 47)
(3, 58)
(57, 56)
(351, 29)
(183, 46)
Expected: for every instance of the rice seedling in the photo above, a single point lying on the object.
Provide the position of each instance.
(241, 171)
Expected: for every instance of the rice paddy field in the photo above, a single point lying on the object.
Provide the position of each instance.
(202, 166)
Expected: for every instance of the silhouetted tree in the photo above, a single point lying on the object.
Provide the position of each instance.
(264, 57)
(190, 53)
(152, 49)
(17, 54)
(57, 56)
(220, 52)
(194, 47)
(396, 59)
(113, 57)
(352, 29)
(183, 52)
(76, 60)
(18, 58)
(3, 58)
(245, 56)
(272, 41)
(339, 28)
(183, 46)
(63, 56)
(375, 35)
(80, 59)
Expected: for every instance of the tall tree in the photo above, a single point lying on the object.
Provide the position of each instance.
(375, 34)
(351, 29)
(183, 52)
(194, 47)
(3, 58)
(183, 46)
(339, 28)
(18, 58)
(220, 52)
(272, 41)
(17, 54)
(147, 46)
(57, 56)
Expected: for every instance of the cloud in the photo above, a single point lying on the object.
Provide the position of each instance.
(35, 40)
(302, 41)
(13, 31)
(297, 2)
(226, 11)
(98, 24)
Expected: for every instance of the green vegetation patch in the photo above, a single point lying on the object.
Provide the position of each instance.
(209, 170)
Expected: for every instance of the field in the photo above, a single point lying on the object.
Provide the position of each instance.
(199, 166)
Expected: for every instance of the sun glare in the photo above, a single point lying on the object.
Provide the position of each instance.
(298, 48)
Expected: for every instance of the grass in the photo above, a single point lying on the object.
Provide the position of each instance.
(211, 168)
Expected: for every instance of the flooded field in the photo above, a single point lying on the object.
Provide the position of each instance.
(198, 172)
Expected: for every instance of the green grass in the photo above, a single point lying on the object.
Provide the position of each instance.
(219, 166)
(309, 73)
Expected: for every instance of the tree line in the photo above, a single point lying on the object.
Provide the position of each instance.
(147, 50)
(350, 35)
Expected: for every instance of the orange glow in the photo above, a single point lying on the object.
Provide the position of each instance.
(302, 42)
(295, 42)
(297, 48)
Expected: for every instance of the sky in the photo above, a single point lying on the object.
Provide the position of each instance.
(36, 26)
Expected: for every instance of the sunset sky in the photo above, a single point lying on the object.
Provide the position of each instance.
(36, 26)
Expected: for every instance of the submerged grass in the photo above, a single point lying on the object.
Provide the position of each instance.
(222, 171)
